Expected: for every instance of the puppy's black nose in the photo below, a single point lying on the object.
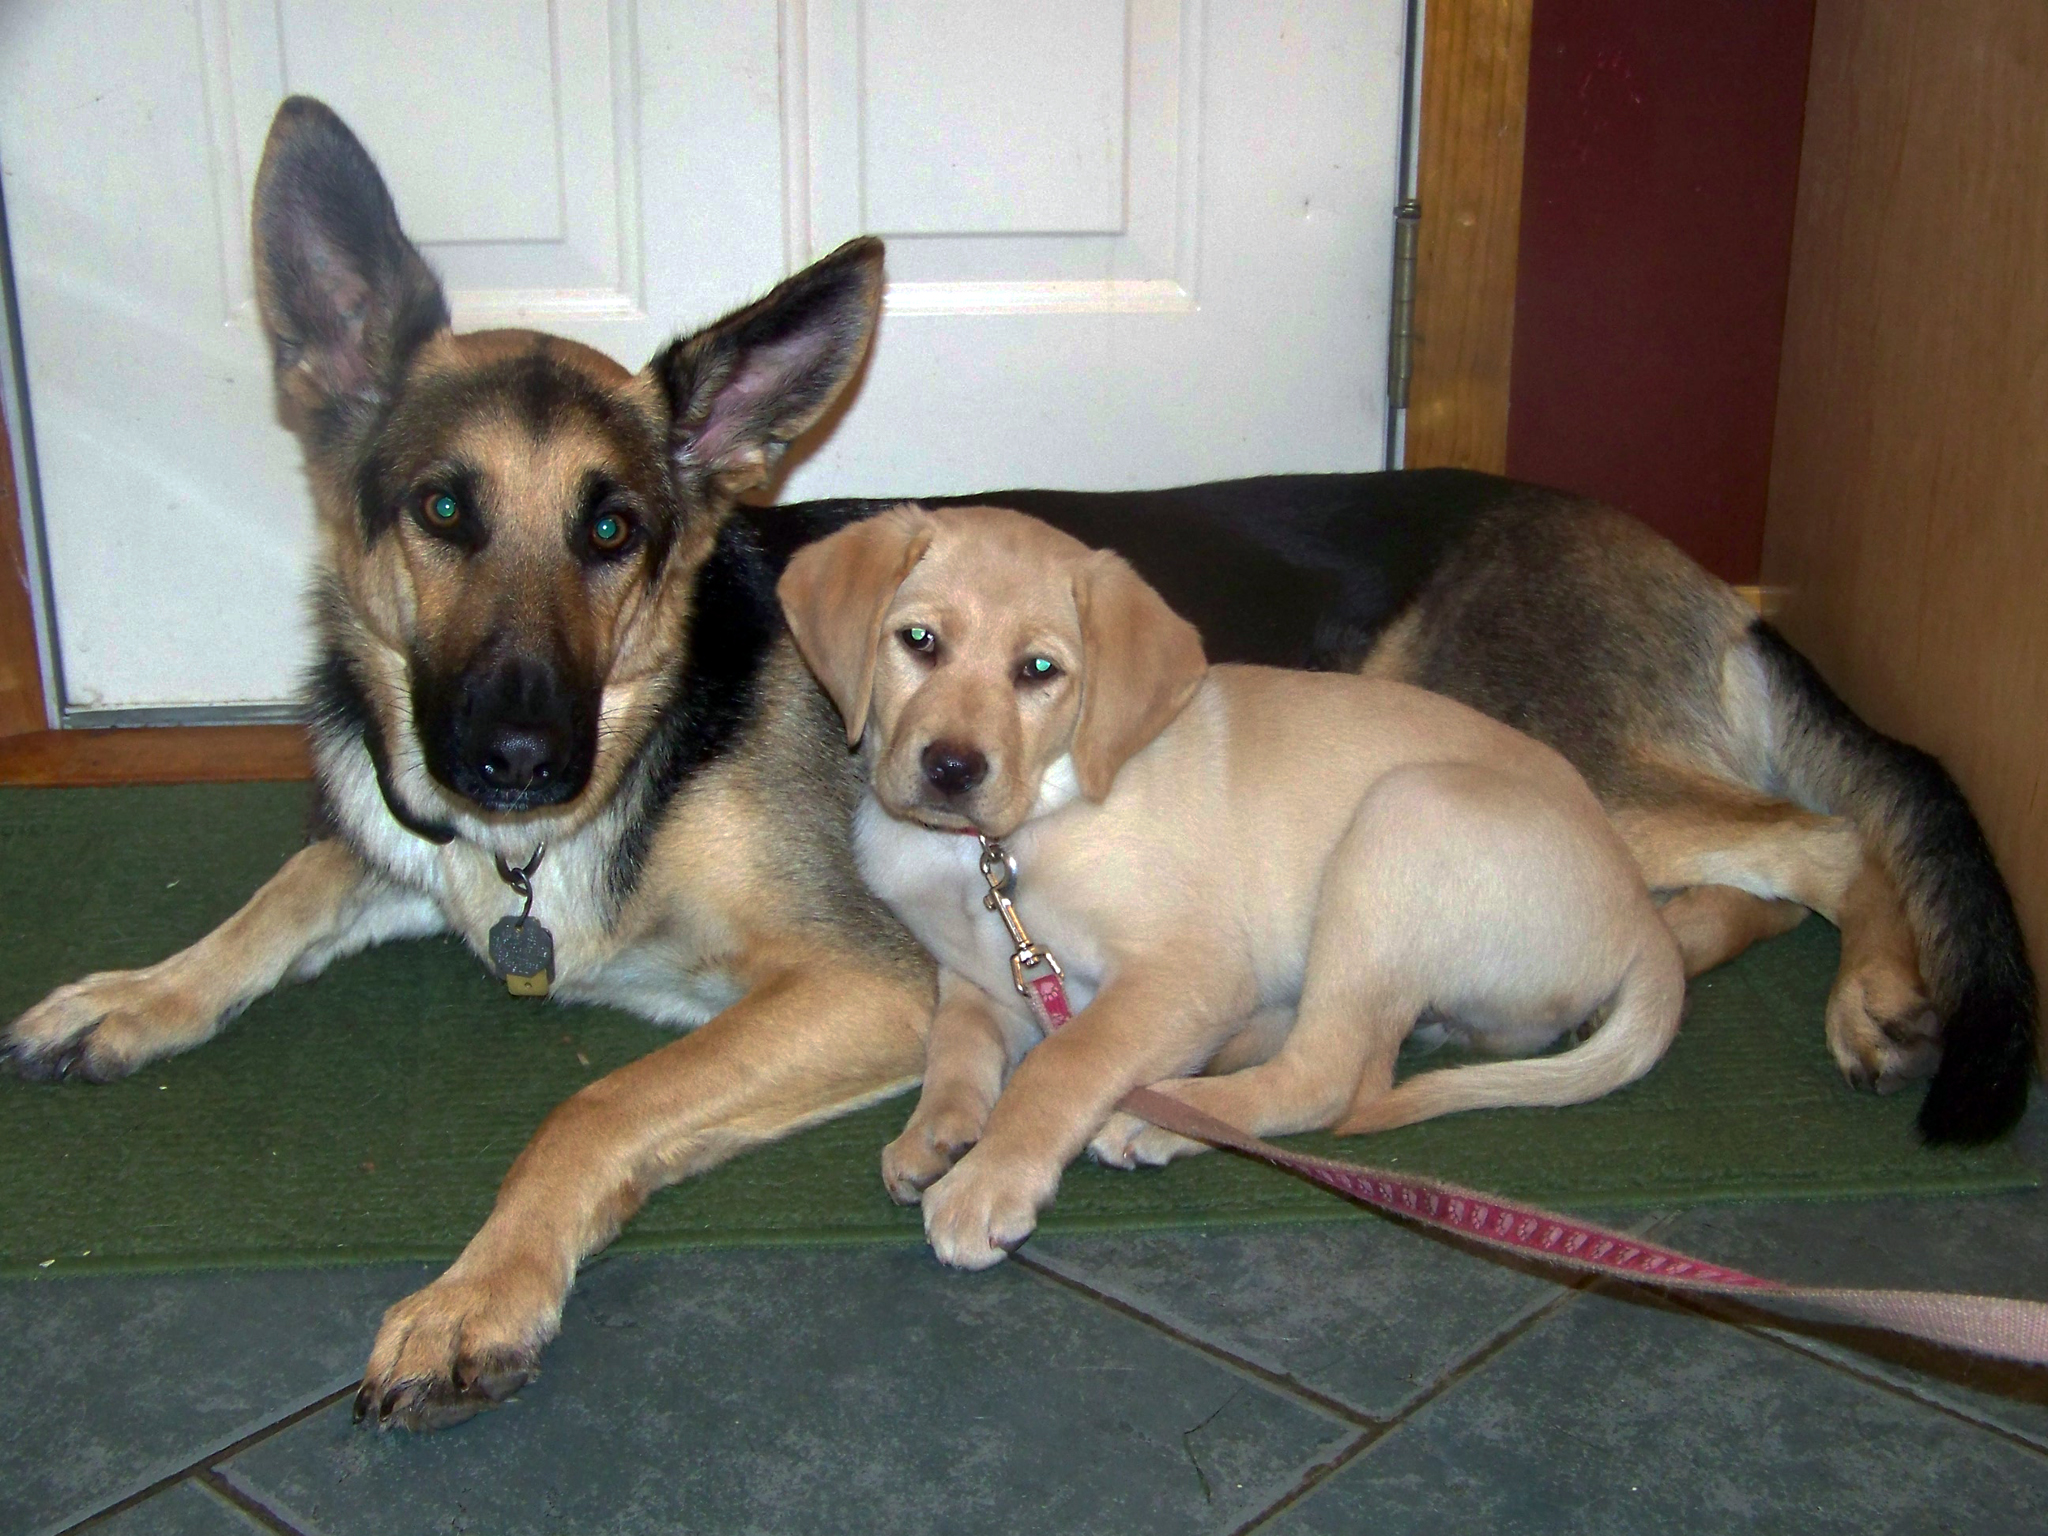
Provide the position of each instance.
(520, 758)
(953, 770)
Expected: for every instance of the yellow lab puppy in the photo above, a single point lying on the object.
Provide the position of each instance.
(1276, 875)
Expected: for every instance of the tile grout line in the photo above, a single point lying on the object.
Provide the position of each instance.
(1460, 1371)
(1265, 1375)
(196, 1469)
(1315, 1476)
(1279, 1380)
(1456, 1375)
(248, 1504)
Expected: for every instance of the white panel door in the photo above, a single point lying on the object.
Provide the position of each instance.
(1131, 243)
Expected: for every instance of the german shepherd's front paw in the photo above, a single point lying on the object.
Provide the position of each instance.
(107, 1025)
(983, 1209)
(1882, 1031)
(454, 1349)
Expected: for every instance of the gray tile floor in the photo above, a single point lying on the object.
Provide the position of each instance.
(1298, 1379)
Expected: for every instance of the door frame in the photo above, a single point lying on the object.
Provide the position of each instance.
(1474, 100)
(28, 681)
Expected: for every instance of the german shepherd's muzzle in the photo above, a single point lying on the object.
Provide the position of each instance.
(512, 728)
(544, 620)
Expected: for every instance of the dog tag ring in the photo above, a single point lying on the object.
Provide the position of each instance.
(522, 949)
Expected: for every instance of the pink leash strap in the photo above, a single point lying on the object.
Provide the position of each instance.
(1986, 1325)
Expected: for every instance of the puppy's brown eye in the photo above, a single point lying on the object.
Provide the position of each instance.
(1038, 669)
(609, 532)
(440, 510)
(919, 639)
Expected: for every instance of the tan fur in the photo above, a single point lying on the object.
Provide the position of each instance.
(1715, 923)
(1244, 843)
(323, 904)
(1159, 664)
(839, 606)
(1714, 837)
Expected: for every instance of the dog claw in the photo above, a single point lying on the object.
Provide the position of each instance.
(59, 1063)
(419, 1403)
(36, 1066)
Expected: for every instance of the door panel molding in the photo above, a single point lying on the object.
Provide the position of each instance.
(538, 228)
(1120, 234)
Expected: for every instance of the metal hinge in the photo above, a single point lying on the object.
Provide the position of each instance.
(1401, 325)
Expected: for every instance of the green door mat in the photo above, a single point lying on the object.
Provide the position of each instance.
(370, 1114)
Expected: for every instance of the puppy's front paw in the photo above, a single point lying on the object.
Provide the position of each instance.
(106, 1026)
(982, 1209)
(1128, 1142)
(456, 1348)
(930, 1145)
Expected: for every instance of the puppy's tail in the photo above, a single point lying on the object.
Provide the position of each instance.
(1639, 1029)
(1973, 956)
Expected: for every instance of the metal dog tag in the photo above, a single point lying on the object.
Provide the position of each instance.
(523, 954)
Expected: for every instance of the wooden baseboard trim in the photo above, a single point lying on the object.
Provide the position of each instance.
(162, 754)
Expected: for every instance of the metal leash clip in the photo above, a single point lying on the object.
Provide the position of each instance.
(999, 869)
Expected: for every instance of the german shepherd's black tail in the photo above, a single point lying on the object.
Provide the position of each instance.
(1973, 957)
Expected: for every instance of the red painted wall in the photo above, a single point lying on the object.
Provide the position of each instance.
(1657, 190)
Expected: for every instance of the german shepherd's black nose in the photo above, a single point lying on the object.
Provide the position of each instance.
(952, 770)
(519, 758)
(508, 733)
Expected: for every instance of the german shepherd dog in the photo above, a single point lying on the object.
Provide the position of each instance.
(545, 622)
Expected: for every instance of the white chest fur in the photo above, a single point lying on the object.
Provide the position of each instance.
(932, 881)
(661, 977)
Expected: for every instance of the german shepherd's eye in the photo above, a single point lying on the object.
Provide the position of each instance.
(446, 515)
(1037, 669)
(917, 638)
(610, 532)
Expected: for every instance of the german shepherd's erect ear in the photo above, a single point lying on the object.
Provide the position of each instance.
(834, 595)
(1141, 663)
(741, 390)
(346, 299)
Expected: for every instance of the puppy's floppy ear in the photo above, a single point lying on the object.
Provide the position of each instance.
(1141, 663)
(740, 389)
(345, 298)
(834, 594)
